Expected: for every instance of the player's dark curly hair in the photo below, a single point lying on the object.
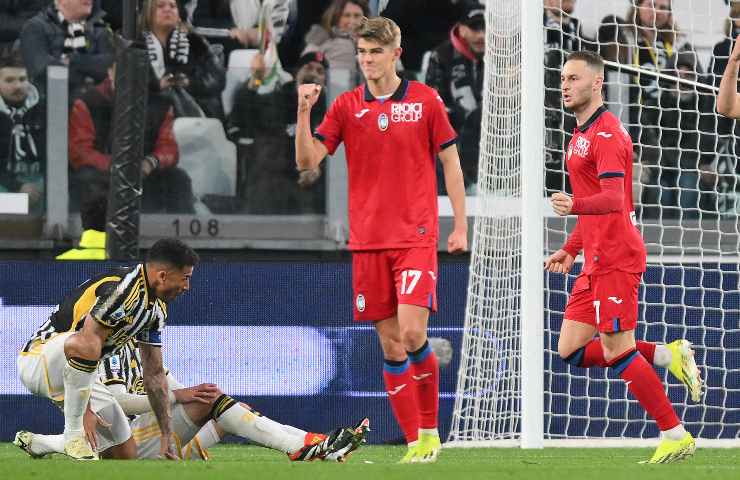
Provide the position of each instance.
(173, 252)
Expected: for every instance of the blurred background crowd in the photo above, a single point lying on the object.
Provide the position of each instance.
(222, 95)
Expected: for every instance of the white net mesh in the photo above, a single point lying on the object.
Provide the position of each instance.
(685, 189)
(487, 404)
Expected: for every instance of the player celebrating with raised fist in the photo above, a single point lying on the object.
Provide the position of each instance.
(392, 130)
(604, 297)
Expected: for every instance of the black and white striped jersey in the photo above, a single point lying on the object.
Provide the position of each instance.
(120, 300)
(124, 368)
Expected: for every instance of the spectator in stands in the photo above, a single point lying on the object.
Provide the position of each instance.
(13, 14)
(272, 184)
(165, 187)
(92, 242)
(687, 140)
(71, 33)
(456, 72)
(334, 37)
(649, 40)
(563, 35)
(425, 25)
(181, 60)
(240, 18)
(22, 141)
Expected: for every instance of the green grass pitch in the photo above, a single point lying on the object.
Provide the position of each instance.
(379, 463)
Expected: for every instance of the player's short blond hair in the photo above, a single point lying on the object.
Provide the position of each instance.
(380, 30)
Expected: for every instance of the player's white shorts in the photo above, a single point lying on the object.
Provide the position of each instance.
(145, 430)
(42, 372)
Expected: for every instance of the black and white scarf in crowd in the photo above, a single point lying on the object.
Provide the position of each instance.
(74, 36)
(178, 50)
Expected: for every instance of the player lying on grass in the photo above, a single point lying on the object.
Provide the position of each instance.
(201, 416)
(603, 299)
(60, 361)
(193, 413)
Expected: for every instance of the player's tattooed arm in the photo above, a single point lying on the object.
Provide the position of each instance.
(155, 383)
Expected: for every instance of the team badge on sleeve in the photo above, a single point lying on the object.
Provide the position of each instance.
(383, 122)
(360, 302)
(115, 364)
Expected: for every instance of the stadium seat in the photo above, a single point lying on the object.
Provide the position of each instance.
(206, 155)
(237, 73)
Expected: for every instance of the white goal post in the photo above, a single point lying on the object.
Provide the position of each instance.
(513, 390)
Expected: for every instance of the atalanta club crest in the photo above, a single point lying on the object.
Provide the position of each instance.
(382, 125)
(360, 302)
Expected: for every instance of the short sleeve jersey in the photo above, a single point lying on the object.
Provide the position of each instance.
(601, 148)
(119, 300)
(391, 147)
(124, 368)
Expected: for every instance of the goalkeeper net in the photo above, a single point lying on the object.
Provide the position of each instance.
(685, 190)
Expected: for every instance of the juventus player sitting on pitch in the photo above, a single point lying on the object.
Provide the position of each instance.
(60, 361)
(603, 299)
(201, 416)
(393, 130)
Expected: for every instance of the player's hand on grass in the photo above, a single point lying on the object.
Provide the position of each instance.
(562, 203)
(308, 94)
(203, 393)
(166, 451)
(90, 422)
(457, 242)
(559, 262)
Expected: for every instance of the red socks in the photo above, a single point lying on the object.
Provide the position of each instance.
(644, 384)
(402, 395)
(413, 390)
(425, 373)
(592, 355)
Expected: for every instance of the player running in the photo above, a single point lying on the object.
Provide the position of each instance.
(392, 131)
(201, 416)
(60, 361)
(603, 299)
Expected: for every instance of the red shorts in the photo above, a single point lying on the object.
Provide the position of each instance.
(608, 302)
(383, 279)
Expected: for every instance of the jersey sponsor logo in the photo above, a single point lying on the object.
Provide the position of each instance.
(360, 302)
(581, 147)
(397, 389)
(383, 122)
(616, 300)
(406, 112)
(421, 377)
(362, 112)
(604, 134)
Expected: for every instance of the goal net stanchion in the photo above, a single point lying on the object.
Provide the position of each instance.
(499, 393)
(510, 372)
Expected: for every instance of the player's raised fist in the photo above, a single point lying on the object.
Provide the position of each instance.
(308, 94)
(559, 262)
(562, 203)
(457, 242)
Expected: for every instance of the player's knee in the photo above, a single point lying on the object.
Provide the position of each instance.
(392, 348)
(564, 351)
(78, 345)
(413, 339)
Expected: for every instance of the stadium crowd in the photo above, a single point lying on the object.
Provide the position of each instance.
(239, 62)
